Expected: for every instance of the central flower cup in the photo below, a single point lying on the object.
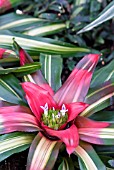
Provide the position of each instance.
(54, 118)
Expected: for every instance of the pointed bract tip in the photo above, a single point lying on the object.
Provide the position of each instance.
(95, 57)
(70, 150)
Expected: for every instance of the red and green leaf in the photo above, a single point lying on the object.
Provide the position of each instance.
(36, 77)
(76, 86)
(100, 136)
(17, 121)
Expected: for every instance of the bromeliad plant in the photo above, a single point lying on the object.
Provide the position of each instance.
(60, 119)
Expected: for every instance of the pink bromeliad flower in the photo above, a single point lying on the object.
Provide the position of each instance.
(55, 115)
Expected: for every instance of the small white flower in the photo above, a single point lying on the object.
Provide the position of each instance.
(63, 110)
(45, 108)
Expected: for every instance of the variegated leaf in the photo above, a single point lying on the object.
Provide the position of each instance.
(14, 143)
(101, 136)
(35, 45)
(52, 68)
(43, 153)
(105, 16)
(89, 157)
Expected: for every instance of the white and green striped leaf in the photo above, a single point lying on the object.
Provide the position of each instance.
(14, 143)
(89, 158)
(106, 15)
(35, 45)
(46, 29)
(104, 74)
(23, 70)
(52, 68)
(12, 20)
(10, 89)
(97, 105)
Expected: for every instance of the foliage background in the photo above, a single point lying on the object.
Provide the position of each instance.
(71, 16)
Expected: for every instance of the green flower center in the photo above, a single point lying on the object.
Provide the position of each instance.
(54, 118)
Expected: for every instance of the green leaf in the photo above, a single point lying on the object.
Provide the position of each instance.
(99, 92)
(35, 45)
(43, 153)
(98, 105)
(89, 157)
(52, 68)
(23, 70)
(66, 164)
(107, 14)
(104, 150)
(103, 115)
(10, 89)
(46, 29)
(99, 75)
(81, 164)
(14, 143)
(12, 20)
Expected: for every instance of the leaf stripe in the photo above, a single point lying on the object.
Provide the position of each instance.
(19, 22)
(88, 111)
(15, 142)
(9, 88)
(86, 158)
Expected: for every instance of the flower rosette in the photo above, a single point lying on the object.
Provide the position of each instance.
(56, 116)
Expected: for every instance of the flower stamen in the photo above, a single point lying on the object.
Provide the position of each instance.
(54, 118)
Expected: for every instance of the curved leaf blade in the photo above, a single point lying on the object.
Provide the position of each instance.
(43, 153)
(89, 157)
(106, 15)
(101, 136)
(10, 89)
(23, 70)
(14, 143)
(37, 45)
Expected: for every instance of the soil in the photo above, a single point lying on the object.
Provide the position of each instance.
(15, 162)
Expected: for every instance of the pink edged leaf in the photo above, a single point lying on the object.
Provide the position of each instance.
(74, 109)
(89, 157)
(15, 108)
(82, 122)
(76, 86)
(18, 121)
(37, 97)
(69, 136)
(36, 77)
(2, 51)
(100, 136)
(42, 154)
